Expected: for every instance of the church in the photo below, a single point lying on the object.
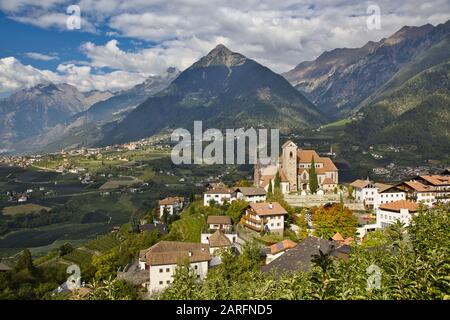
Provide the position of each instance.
(293, 168)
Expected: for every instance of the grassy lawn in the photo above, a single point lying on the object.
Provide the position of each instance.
(24, 209)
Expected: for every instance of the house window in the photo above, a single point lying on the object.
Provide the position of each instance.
(167, 269)
(198, 276)
(160, 270)
(160, 283)
(278, 224)
(196, 267)
(168, 281)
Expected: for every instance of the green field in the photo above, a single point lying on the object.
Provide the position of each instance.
(24, 209)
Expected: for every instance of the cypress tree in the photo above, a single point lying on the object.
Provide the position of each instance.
(277, 181)
(313, 184)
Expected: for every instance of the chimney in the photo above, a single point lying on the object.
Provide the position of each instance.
(270, 205)
(190, 253)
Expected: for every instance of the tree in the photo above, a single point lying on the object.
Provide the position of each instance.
(165, 215)
(65, 248)
(112, 289)
(313, 183)
(185, 285)
(375, 238)
(106, 265)
(243, 183)
(236, 210)
(350, 192)
(191, 196)
(302, 225)
(270, 190)
(328, 220)
(277, 181)
(25, 262)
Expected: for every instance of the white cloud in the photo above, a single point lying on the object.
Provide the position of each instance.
(41, 56)
(14, 76)
(279, 34)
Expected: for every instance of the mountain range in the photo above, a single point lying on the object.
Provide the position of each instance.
(224, 89)
(385, 88)
(340, 81)
(85, 126)
(30, 112)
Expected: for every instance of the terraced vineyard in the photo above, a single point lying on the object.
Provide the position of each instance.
(79, 257)
(103, 243)
(189, 227)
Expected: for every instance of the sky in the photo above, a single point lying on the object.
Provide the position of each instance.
(120, 43)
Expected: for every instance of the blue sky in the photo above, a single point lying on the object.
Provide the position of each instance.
(120, 43)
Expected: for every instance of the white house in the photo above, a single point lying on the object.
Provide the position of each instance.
(267, 216)
(219, 223)
(218, 240)
(162, 259)
(365, 191)
(439, 183)
(387, 193)
(389, 213)
(418, 192)
(219, 196)
(251, 194)
(171, 205)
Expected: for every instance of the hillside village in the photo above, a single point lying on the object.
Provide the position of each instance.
(279, 210)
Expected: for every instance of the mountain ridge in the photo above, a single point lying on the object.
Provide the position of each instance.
(225, 90)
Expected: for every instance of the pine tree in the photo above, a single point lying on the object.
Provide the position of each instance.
(270, 190)
(313, 184)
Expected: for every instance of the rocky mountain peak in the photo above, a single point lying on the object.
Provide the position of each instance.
(221, 55)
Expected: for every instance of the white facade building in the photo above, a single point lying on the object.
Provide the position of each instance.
(219, 196)
(172, 205)
(251, 194)
(265, 216)
(388, 214)
(162, 259)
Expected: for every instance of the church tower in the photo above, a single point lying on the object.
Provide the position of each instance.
(289, 163)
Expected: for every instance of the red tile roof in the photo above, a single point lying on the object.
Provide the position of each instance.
(170, 201)
(398, 205)
(282, 246)
(218, 220)
(174, 252)
(417, 186)
(264, 208)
